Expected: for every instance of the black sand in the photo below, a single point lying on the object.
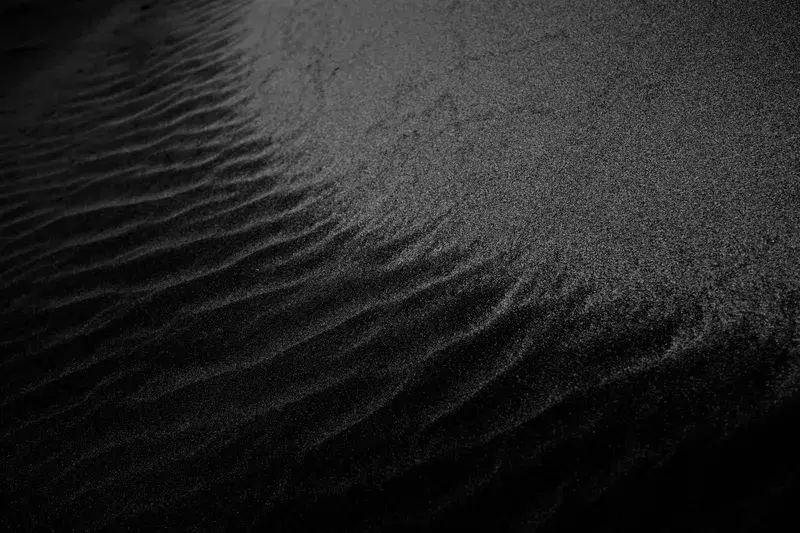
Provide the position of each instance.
(398, 266)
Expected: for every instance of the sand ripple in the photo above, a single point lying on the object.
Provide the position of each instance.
(210, 320)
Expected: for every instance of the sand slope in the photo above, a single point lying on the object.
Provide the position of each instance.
(370, 266)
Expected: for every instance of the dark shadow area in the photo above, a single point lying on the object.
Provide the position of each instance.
(37, 32)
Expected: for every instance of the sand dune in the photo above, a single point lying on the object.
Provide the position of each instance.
(370, 266)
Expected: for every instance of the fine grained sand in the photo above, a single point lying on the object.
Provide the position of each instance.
(373, 265)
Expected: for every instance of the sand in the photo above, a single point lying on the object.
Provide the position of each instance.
(370, 266)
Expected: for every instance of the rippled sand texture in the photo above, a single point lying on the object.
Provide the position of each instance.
(371, 266)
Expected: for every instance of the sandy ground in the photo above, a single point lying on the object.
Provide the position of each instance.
(377, 265)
